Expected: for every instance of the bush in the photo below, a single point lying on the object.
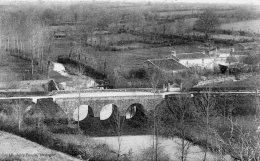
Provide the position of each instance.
(11, 158)
(147, 155)
(137, 73)
(8, 123)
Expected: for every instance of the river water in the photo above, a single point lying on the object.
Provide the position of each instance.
(250, 25)
(169, 146)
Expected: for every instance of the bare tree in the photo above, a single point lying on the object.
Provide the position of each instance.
(252, 61)
(181, 27)
(207, 22)
(243, 141)
(181, 111)
(205, 109)
(155, 77)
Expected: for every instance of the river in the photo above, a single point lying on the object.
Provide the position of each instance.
(137, 144)
(250, 25)
(169, 146)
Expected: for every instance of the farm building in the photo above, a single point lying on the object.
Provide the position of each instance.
(224, 52)
(60, 34)
(165, 65)
(241, 54)
(199, 59)
(247, 46)
(103, 32)
(167, 70)
(222, 55)
(219, 52)
(212, 52)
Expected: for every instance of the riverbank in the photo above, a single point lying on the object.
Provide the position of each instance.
(17, 148)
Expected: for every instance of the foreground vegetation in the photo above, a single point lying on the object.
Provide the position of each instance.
(222, 124)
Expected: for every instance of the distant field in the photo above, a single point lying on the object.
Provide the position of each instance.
(114, 39)
(177, 13)
(125, 59)
(251, 26)
(13, 68)
(170, 28)
(129, 59)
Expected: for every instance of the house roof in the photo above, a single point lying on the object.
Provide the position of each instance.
(167, 64)
(249, 45)
(196, 55)
(231, 59)
(100, 32)
(224, 50)
(242, 53)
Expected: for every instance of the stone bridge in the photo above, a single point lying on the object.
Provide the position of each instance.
(95, 102)
(88, 102)
(126, 102)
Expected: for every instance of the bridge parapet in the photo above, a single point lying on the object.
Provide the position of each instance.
(105, 90)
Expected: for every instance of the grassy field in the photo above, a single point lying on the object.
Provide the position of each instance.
(14, 69)
(112, 39)
(177, 13)
(125, 59)
(170, 28)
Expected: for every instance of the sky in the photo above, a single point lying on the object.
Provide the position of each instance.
(222, 1)
(204, 1)
(254, 2)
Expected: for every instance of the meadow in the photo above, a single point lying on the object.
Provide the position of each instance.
(177, 13)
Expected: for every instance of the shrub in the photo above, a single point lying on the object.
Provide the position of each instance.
(8, 123)
(137, 73)
(147, 155)
(11, 158)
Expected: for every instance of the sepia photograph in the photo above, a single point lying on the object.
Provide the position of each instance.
(129, 80)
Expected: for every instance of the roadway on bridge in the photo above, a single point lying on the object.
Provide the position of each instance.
(112, 94)
(100, 94)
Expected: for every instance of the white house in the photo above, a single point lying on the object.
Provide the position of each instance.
(223, 56)
(199, 59)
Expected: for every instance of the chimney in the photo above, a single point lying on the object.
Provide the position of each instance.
(174, 53)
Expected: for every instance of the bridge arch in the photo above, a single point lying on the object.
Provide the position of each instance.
(110, 117)
(85, 115)
(135, 115)
(108, 111)
(82, 112)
